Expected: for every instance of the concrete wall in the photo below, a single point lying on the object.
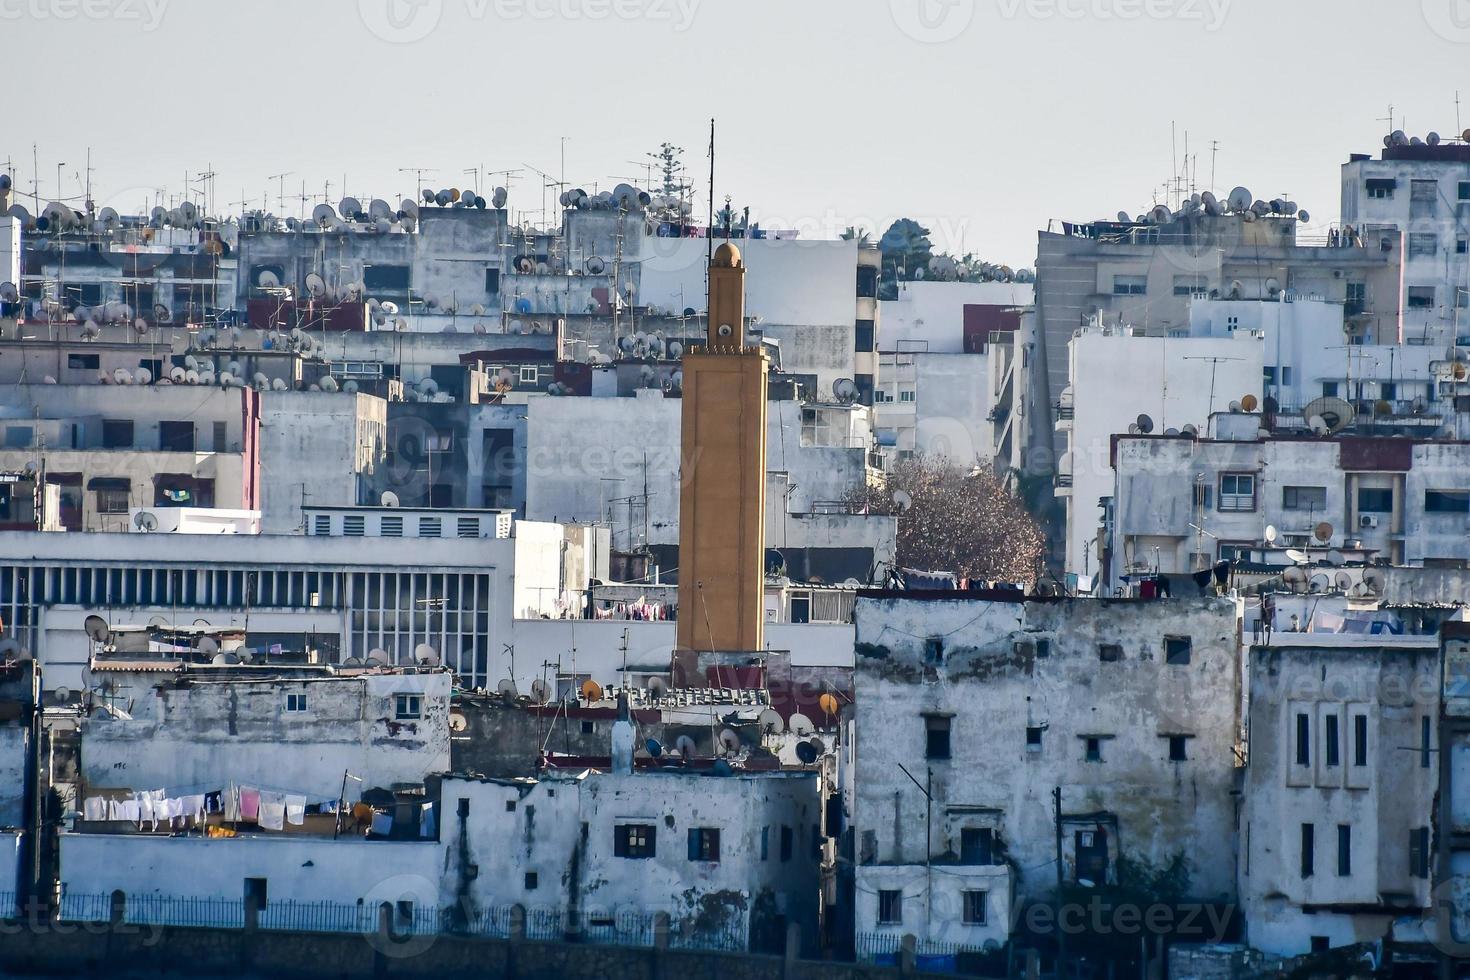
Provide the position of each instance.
(316, 448)
(1382, 799)
(562, 830)
(201, 735)
(995, 669)
(296, 868)
(10, 865)
(14, 739)
(931, 315)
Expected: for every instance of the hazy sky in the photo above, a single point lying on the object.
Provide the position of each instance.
(981, 118)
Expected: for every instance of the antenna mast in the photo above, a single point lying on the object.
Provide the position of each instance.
(709, 246)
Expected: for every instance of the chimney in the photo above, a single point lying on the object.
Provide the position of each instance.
(622, 738)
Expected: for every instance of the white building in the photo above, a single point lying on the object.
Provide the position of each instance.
(1182, 503)
(730, 860)
(332, 598)
(1119, 377)
(1130, 708)
(1450, 860)
(19, 698)
(947, 317)
(1339, 789)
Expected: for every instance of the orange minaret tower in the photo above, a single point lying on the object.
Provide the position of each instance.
(722, 496)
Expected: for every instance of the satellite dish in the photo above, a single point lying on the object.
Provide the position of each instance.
(591, 691)
(1336, 414)
(652, 746)
(801, 725)
(1297, 557)
(595, 265)
(1145, 424)
(388, 499)
(315, 285)
(506, 688)
(426, 656)
(8, 293)
(903, 500)
(1323, 532)
(1249, 403)
(207, 645)
(829, 705)
(845, 390)
(323, 214)
(770, 722)
(1319, 583)
(1374, 580)
(1240, 199)
(540, 691)
(458, 722)
(1335, 557)
(684, 745)
(1296, 577)
(379, 657)
(145, 521)
(729, 741)
(1270, 534)
(96, 628)
(657, 687)
(1343, 582)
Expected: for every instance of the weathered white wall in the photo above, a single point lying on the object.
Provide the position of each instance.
(13, 739)
(315, 447)
(930, 315)
(1381, 800)
(296, 868)
(541, 834)
(10, 845)
(993, 683)
(203, 735)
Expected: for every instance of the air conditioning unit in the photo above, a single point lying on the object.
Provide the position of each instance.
(1368, 520)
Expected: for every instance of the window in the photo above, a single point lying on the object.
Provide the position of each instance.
(1043, 648)
(1195, 286)
(1329, 389)
(1424, 747)
(323, 524)
(1303, 739)
(430, 527)
(1309, 845)
(1237, 492)
(1422, 245)
(1329, 739)
(354, 525)
(1375, 500)
(635, 840)
(766, 843)
(975, 903)
(1447, 501)
(1462, 246)
(1202, 494)
(176, 437)
(788, 839)
(1232, 323)
(936, 735)
(117, 433)
(867, 281)
(492, 281)
(588, 728)
(863, 337)
(1381, 188)
(1177, 650)
(906, 394)
(1130, 285)
(704, 844)
(530, 374)
(1419, 852)
(1109, 653)
(1419, 297)
(255, 892)
(1344, 850)
(112, 500)
(391, 527)
(934, 650)
(296, 702)
(83, 362)
(1304, 498)
(1178, 748)
(890, 907)
(1092, 748)
(1355, 301)
(1321, 944)
(468, 527)
(510, 806)
(407, 707)
(377, 277)
(19, 436)
(532, 881)
(1360, 740)
(1033, 738)
(977, 845)
(1464, 191)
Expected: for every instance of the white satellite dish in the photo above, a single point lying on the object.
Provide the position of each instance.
(1297, 557)
(388, 499)
(96, 628)
(903, 500)
(425, 655)
(1270, 534)
(145, 521)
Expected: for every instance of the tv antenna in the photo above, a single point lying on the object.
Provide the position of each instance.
(418, 173)
(281, 188)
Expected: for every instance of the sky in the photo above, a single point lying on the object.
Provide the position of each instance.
(982, 119)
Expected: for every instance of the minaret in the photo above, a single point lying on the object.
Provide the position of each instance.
(722, 497)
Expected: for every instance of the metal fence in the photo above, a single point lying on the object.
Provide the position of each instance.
(882, 949)
(619, 927)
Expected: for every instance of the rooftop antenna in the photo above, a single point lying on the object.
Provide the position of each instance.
(281, 188)
(418, 173)
(1214, 151)
(1389, 120)
(709, 245)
